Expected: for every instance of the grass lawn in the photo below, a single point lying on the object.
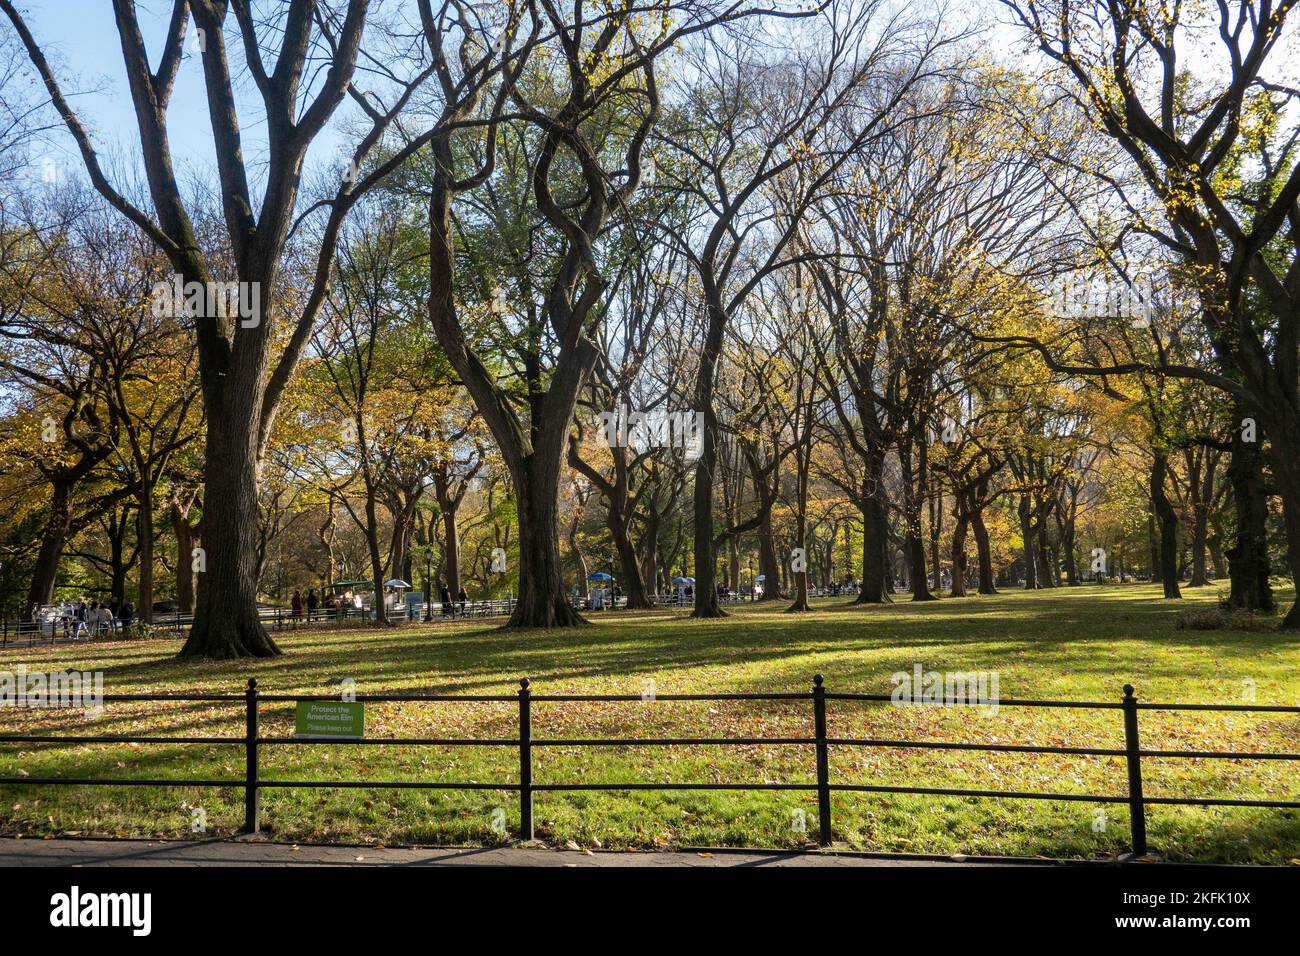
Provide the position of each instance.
(1070, 644)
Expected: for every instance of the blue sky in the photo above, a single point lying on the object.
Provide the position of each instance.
(80, 38)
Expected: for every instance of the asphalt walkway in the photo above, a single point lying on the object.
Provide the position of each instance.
(188, 853)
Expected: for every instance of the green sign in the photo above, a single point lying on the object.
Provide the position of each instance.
(330, 718)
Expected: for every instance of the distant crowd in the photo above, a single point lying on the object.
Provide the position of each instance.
(83, 621)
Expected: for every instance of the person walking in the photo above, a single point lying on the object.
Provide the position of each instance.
(313, 602)
(463, 598)
(128, 615)
(79, 618)
(445, 596)
(296, 606)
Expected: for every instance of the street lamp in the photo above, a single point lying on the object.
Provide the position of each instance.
(750, 561)
(428, 586)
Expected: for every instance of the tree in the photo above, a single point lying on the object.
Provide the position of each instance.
(593, 115)
(244, 362)
(752, 133)
(1217, 150)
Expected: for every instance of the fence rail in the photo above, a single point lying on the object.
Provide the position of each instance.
(821, 742)
(31, 633)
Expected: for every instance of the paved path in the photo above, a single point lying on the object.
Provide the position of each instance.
(73, 852)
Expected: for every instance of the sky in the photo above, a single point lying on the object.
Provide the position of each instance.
(80, 39)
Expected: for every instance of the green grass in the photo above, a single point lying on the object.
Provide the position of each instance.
(1071, 644)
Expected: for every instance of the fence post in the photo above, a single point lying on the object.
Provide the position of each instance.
(525, 762)
(823, 763)
(251, 821)
(1136, 806)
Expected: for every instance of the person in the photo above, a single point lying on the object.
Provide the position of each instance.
(79, 618)
(463, 598)
(128, 615)
(105, 621)
(445, 596)
(313, 602)
(296, 605)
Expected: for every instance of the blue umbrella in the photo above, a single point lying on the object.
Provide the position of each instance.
(683, 580)
(600, 576)
(761, 577)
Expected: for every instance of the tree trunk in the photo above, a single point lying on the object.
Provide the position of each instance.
(117, 562)
(1030, 545)
(875, 539)
(733, 565)
(1215, 543)
(184, 558)
(1046, 566)
(913, 541)
(706, 593)
(451, 549)
(53, 540)
(1200, 536)
(959, 549)
(1285, 459)
(1153, 540)
(633, 586)
(226, 624)
(1288, 476)
(769, 563)
(1067, 550)
(983, 551)
(916, 566)
(936, 528)
(1200, 472)
(1248, 562)
(650, 545)
(144, 540)
(542, 601)
(1168, 521)
(801, 525)
(578, 559)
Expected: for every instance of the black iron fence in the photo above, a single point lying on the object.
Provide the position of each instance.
(60, 630)
(31, 633)
(821, 743)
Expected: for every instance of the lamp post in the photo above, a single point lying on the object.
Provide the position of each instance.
(750, 562)
(428, 585)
